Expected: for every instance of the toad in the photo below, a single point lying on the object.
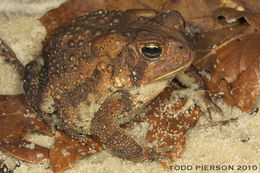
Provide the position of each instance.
(103, 69)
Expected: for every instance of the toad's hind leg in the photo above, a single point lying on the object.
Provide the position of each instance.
(113, 136)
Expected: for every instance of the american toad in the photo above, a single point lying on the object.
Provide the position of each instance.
(101, 70)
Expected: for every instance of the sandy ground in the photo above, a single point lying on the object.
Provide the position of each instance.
(236, 144)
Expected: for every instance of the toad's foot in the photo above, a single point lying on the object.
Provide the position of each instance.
(194, 94)
(113, 136)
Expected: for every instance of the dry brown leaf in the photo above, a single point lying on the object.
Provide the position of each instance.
(233, 26)
(207, 43)
(238, 64)
(66, 151)
(16, 122)
(26, 151)
(169, 128)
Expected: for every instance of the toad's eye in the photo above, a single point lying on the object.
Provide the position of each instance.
(151, 51)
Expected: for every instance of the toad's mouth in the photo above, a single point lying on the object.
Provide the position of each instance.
(171, 74)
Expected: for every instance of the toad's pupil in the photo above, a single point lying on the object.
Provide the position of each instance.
(152, 52)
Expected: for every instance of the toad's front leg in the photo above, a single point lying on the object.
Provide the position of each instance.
(113, 136)
(194, 93)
